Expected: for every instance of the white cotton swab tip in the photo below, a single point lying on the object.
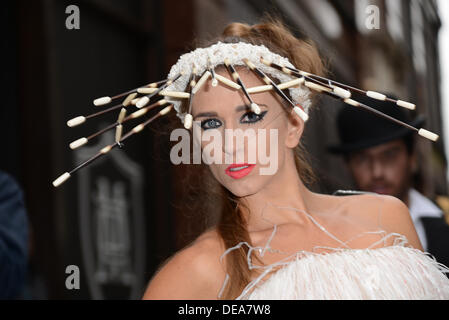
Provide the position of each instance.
(214, 82)
(78, 143)
(352, 102)
(342, 93)
(304, 116)
(142, 102)
(316, 86)
(406, 105)
(102, 101)
(165, 110)
(61, 179)
(188, 121)
(376, 95)
(201, 82)
(76, 121)
(427, 134)
(146, 90)
(118, 133)
(255, 108)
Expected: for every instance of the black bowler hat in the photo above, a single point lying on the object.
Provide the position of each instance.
(359, 128)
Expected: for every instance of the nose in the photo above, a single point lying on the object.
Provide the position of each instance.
(234, 147)
(377, 169)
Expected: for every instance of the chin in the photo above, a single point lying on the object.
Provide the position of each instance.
(244, 187)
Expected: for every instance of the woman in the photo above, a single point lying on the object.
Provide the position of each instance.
(276, 238)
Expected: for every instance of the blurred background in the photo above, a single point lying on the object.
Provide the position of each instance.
(116, 220)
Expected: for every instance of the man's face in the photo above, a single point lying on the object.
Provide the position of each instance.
(384, 169)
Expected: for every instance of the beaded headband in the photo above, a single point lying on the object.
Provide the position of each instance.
(194, 69)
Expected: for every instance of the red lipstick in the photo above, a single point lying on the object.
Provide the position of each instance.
(240, 170)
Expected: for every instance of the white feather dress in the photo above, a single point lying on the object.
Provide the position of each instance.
(393, 272)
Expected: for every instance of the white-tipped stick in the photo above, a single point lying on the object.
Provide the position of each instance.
(304, 116)
(138, 128)
(147, 90)
(201, 82)
(255, 108)
(76, 121)
(165, 110)
(175, 94)
(129, 99)
(291, 83)
(352, 102)
(316, 87)
(406, 104)
(260, 89)
(106, 149)
(138, 113)
(227, 82)
(342, 93)
(376, 95)
(142, 102)
(122, 115)
(118, 133)
(427, 134)
(78, 143)
(214, 82)
(102, 101)
(282, 86)
(61, 179)
(188, 121)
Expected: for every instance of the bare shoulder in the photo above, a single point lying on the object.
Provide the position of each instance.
(373, 211)
(194, 272)
(387, 212)
(395, 217)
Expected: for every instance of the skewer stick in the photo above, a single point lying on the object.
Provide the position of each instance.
(371, 94)
(137, 114)
(299, 110)
(201, 82)
(81, 119)
(188, 119)
(285, 85)
(106, 100)
(65, 176)
(227, 82)
(119, 128)
(254, 107)
(422, 132)
(212, 73)
(323, 88)
(143, 101)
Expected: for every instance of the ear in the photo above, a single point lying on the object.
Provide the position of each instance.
(295, 128)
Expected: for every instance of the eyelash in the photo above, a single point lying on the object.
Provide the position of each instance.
(260, 117)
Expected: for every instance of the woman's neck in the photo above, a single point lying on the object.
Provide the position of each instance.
(286, 190)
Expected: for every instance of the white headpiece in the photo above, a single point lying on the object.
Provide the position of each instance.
(210, 57)
(183, 83)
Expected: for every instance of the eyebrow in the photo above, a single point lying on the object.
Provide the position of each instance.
(214, 114)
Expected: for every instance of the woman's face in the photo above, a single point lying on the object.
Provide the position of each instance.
(245, 151)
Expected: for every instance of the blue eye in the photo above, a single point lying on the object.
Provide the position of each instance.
(210, 124)
(249, 118)
(252, 117)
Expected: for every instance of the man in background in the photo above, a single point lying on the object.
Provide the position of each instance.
(381, 156)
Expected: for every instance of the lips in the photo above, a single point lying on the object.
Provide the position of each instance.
(238, 171)
(380, 189)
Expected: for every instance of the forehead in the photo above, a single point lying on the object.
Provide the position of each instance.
(384, 147)
(222, 97)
